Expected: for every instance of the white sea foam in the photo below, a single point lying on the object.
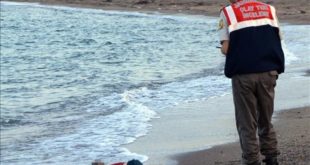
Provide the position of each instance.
(296, 43)
(19, 3)
(104, 134)
(289, 56)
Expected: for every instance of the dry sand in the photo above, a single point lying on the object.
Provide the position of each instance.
(297, 12)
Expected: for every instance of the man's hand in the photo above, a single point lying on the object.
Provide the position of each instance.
(224, 48)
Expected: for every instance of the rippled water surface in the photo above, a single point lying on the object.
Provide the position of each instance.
(77, 83)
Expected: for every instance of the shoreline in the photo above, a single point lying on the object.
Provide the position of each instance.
(288, 11)
(181, 135)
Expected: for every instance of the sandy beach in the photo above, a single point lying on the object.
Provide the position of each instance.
(296, 12)
(178, 136)
(294, 144)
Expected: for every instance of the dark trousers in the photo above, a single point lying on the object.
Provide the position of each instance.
(254, 101)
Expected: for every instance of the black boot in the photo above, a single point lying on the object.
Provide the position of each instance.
(271, 161)
(255, 163)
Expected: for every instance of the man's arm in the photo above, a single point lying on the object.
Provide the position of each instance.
(277, 21)
(224, 48)
(223, 33)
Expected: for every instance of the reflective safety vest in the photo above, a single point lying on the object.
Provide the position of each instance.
(255, 44)
(248, 14)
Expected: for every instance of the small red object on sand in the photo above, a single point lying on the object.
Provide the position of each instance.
(120, 163)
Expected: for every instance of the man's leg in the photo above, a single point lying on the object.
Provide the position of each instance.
(246, 116)
(265, 95)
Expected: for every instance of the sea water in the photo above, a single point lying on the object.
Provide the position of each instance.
(76, 84)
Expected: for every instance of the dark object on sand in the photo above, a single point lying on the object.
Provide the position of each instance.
(142, 2)
(271, 161)
(97, 162)
(131, 162)
(134, 162)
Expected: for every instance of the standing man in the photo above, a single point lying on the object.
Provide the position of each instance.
(251, 41)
